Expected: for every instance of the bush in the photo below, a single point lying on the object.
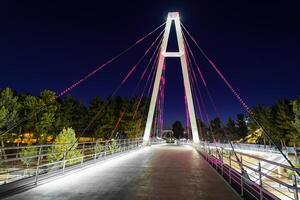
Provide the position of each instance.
(65, 144)
(290, 172)
(28, 155)
(113, 146)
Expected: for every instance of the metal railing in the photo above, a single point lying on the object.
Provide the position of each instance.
(33, 162)
(259, 147)
(252, 175)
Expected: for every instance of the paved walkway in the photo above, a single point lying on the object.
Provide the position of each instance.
(157, 172)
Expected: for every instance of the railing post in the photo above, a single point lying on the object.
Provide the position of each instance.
(229, 167)
(222, 164)
(242, 178)
(81, 160)
(64, 162)
(38, 165)
(124, 144)
(83, 153)
(260, 181)
(83, 150)
(105, 148)
(296, 197)
(95, 151)
(216, 157)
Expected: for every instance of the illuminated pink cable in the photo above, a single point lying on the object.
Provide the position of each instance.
(197, 102)
(194, 91)
(195, 85)
(140, 60)
(192, 55)
(144, 89)
(163, 83)
(242, 102)
(75, 84)
(129, 74)
(155, 53)
(152, 75)
(202, 77)
(187, 118)
(152, 57)
(106, 63)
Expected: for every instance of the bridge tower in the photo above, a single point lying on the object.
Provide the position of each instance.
(172, 17)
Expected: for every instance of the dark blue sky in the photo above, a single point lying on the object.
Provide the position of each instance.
(50, 45)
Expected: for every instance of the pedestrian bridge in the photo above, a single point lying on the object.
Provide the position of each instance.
(156, 172)
(126, 169)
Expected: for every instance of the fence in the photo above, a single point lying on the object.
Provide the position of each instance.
(253, 176)
(259, 147)
(33, 162)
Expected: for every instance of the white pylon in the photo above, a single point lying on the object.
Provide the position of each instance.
(172, 16)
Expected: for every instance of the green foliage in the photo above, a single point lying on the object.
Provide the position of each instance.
(3, 116)
(9, 108)
(9, 114)
(241, 126)
(231, 130)
(290, 172)
(217, 130)
(283, 121)
(65, 145)
(29, 155)
(47, 118)
(294, 136)
(296, 110)
(204, 135)
(264, 115)
(113, 146)
(47, 115)
(31, 106)
(99, 148)
(72, 114)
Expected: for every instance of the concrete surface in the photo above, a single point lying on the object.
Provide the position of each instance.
(157, 172)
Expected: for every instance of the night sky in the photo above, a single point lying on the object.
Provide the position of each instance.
(51, 45)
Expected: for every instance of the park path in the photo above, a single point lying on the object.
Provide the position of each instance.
(156, 172)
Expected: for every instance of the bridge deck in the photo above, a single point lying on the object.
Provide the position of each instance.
(157, 172)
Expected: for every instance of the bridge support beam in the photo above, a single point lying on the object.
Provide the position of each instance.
(172, 16)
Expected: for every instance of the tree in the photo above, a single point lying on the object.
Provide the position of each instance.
(30, 109)
(47, 118)
(241, 126)
(132, 120)
(9, 114)
(284, 121)
(263, 115)
(217, 130)
(102, 122)
(72, 114)
(113, 146)
(65, 147)
(203, 130)
(177, 129)
(294, 136)
(28, 155)
(230, 130)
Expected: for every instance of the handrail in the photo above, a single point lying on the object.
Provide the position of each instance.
(264, 174)
(17, 167)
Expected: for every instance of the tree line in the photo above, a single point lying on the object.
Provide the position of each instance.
(46, 115)
(281, 120)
